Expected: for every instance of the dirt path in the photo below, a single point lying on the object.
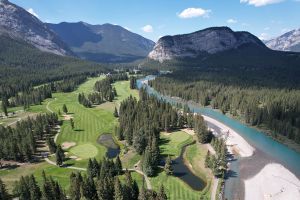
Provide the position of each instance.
(214, 188)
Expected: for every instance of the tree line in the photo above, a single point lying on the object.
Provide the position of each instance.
(102, 182)
(20, 143)
(259, 104)
(134, 127)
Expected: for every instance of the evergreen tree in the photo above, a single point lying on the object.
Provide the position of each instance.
(118, 195)
(168, 166)
(60, 156)
(35, 192)
(118, 166)
(65, 109)
(161, 194)
(3, 192)
(116, 114)
(207, 160)
(4, 106)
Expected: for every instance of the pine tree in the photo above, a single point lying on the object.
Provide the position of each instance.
(207, 160)
(168, 166)
(3, 192)
(35, 192)
(118, 166)
(4, 106)
(65, 109)
(118, 195)
(60, 156)
(116, 114)
(161, 194)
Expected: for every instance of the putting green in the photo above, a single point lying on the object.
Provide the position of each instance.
(85, 151)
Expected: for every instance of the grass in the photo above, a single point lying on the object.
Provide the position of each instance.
(195, 155)
(175, 188)
(90, 123)
(172, 143)
(90, 151)
(9, 176)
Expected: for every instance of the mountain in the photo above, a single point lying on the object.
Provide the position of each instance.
(103, 43)
(289, 41)
(18, 23)
(202, 43)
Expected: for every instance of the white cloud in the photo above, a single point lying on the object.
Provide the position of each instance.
(231, 21)
(258, 3)
(194, 12)
(264, 36)
(128, 29)
(31, 11)
(147, 29)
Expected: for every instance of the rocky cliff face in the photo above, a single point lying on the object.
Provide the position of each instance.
(207, 41)
(18, 23)
(289, 41)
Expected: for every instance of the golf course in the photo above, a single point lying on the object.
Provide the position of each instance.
(80, 143)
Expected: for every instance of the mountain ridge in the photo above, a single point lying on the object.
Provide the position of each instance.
(19, 23)
(103, 43)
(289, 41)
(207, 41)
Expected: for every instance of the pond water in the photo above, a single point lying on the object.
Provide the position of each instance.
(113, 149)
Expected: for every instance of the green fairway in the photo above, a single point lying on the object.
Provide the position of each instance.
(172, 143)
(85, 151)
(175, 188)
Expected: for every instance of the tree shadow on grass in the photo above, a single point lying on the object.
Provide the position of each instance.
(79, 130)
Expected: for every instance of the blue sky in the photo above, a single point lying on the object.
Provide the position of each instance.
(156, 18)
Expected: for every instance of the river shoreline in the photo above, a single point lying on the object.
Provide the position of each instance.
(251, 166)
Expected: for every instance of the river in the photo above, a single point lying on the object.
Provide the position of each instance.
(266, 149)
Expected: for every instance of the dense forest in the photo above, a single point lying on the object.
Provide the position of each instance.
(241, 93)
(102, 182)
(134, 118)
(20, 143)
(22, 66)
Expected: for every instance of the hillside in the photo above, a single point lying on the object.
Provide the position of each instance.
(103, 43)
(289, 41)
(202, 43)
(20, 24)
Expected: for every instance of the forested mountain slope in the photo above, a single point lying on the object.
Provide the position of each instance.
(22, 66)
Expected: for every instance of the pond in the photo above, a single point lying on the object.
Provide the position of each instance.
(113, 150)
(180, 170)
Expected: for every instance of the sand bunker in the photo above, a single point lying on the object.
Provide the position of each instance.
(67, 117)
(273, 182)
(73, 157)
(67, 145)
(188, 131)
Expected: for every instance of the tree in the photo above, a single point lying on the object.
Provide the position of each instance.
(51, 144)
(207, 160)
(118, 195)
(116, 114)
(3, 192)
(168, 166)
(65, 109)
(60, 156)
(118, 166)
(72, 123)
(4, 106)
(161, 194)
(35, 192)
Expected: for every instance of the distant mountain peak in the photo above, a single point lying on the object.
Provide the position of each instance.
(103, 43)
(207, 41)
(17, 22)
(289, 41)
